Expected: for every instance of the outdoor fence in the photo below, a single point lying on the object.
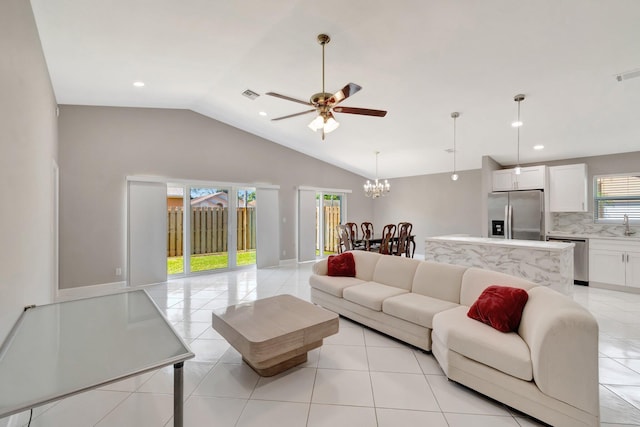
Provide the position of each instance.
(209, 230)
(331, 220)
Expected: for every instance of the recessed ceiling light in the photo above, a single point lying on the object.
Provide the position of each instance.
(262, 113)
(516, 124)
(138, 84)
(538, 147)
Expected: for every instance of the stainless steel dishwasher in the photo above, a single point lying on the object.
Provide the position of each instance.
(580, 258)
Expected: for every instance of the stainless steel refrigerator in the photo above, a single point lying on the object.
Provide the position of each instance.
(516, 215)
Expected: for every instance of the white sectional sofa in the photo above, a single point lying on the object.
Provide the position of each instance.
(547, 369)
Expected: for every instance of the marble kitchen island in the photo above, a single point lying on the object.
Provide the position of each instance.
(547, 263)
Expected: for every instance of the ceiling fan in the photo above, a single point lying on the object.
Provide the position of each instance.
(325, 104)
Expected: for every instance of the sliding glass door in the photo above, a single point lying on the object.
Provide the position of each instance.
(207, 230)
(209, 218)
(330, 210)
(246, 226)
(319, 212)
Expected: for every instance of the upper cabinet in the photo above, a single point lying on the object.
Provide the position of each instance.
(530, 178)
(568, 188)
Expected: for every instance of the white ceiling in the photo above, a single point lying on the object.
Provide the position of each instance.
(418, 59)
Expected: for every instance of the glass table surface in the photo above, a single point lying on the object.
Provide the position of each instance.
(60, 349)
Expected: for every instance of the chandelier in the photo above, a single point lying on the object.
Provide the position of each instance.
(376, 189)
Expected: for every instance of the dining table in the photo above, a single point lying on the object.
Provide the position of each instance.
(367, 244)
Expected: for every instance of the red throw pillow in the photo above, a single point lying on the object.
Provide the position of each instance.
(500, 307)
(341, 265)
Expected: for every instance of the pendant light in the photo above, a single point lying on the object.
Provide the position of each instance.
(376, 189)
(518, 124)
(454, 175)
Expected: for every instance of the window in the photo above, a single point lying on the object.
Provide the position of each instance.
(616, 196)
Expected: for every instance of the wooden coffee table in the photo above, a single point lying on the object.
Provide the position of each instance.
(274, 334)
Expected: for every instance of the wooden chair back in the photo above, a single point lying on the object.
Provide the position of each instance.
(388, 233)
(404, 232)
(344, 240)
(367, 230)
(367, 233)
(356, 243)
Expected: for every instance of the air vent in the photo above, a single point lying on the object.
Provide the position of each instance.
(628, 75)
(250, 94)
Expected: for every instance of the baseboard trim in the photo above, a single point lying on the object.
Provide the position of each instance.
(619, 288)
(90, 291)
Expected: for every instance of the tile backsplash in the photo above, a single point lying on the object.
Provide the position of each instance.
(582, 223)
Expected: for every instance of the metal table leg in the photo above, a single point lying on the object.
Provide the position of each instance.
(178, 392)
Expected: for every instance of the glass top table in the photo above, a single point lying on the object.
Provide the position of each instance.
(60, 349)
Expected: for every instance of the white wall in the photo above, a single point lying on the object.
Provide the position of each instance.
(100, 146)
(434, 204)
(28, 147)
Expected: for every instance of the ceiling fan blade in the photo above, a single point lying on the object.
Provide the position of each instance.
(288, 98)
(344, 93)
(294, 115)
(362, 111)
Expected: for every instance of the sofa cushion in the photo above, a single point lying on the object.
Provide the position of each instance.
(333, 285)
(506, 352)
(415, 308)
(395, 271)
(500, 307)
(438, 280)
(365, 264)
(371, 294)
(341, 265)
(475, 280)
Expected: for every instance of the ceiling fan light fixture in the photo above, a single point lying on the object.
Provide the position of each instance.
(324, 103)
(330, 125)
(316, 123)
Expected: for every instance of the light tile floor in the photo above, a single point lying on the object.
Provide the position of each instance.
(357, 378)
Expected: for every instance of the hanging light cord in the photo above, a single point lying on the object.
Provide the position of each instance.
(323, 66)
(518, 161)
(454, 143)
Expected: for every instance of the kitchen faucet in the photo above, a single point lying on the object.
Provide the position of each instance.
(625, 222)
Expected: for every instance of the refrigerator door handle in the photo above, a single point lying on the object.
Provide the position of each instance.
(510, 221)
(507, 221)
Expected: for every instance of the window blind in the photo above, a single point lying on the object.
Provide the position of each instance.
(615, 196)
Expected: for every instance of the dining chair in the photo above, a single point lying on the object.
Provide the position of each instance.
(367, 233)
(402, 246)
(344, 241)
(356, 243)
(388, 233)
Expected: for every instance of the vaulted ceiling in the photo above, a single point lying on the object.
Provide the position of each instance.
(419, 59)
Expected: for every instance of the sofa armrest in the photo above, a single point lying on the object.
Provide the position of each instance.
(320, 267)
(563, 339)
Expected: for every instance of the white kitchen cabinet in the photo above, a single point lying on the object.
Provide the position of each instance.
(568, 188)
(633, 269)
(530, 178)
(614, 262)
(503, 180)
